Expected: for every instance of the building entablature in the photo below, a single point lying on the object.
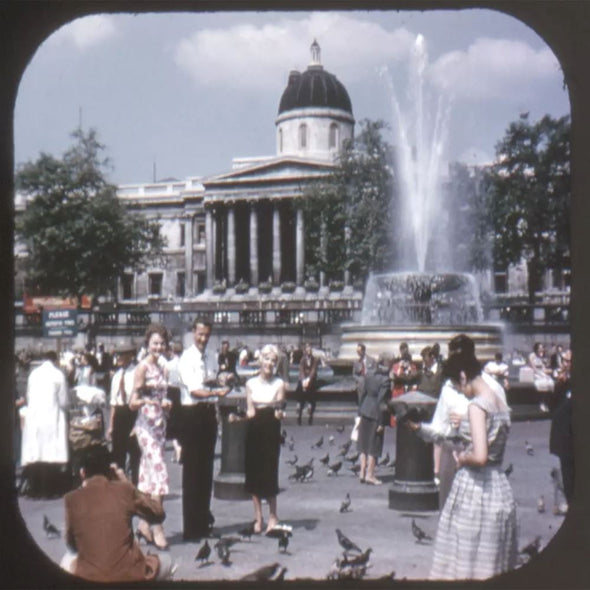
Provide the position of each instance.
(323, 113)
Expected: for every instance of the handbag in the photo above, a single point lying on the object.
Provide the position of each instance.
(354, 435)
(85, 431)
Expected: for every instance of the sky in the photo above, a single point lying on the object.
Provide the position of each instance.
(180, 95)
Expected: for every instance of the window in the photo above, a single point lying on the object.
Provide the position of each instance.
(180, 284)
(200, 233)
(500, 282)
(333, 137)
(280, 141)
(303, 136)
(127, 286)
(155, 284)
(182, 234)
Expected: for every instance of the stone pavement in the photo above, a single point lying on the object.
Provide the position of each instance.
(312, 509)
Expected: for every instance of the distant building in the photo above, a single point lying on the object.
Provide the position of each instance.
(246, 226)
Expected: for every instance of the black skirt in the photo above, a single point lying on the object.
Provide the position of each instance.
(262, 453)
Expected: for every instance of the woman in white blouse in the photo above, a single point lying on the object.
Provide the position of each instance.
(265, 397)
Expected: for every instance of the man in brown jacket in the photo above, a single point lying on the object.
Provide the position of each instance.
(98, 525)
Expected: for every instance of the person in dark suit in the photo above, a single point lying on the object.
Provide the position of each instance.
(307, 385)
(372, 422)
(122, 418)
(360, 368)
(98, 525)
(430, 378)
(198, 432)
(226, 362)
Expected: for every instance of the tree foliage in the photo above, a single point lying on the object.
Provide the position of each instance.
(352, 209)
(530, 194)
(78, 235)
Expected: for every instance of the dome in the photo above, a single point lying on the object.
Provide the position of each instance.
(314, 88)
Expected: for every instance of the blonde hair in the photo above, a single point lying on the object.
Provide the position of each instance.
(268, 349)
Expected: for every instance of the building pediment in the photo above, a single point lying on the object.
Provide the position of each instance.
(274, 170)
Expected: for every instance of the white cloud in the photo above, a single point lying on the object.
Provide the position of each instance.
(86, 32)
(494, 68)
(248, 56)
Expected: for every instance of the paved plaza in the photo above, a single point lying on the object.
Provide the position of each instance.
(312, 509)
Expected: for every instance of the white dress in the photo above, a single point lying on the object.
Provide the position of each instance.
(477, 531)
(45, 431)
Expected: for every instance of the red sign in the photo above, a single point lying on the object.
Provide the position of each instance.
(34, 304)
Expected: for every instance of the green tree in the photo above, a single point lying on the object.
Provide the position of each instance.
(352, 208)
(530, 194)
(78, 235)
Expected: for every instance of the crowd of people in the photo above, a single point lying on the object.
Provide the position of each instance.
(166, 393)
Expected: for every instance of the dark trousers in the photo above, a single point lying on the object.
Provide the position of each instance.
(123, 444)
(305, 396)
(567, 476)
(199, 433)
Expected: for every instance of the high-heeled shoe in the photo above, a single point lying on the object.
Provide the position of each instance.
(141, 535)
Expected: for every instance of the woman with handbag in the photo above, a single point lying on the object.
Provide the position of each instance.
(148, 397)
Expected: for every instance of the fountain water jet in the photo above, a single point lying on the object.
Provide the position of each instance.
(429, 303)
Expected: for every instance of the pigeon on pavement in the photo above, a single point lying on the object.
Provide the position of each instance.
(419, 533)
(346, 543)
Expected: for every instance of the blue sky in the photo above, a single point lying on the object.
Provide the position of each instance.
(191, 91)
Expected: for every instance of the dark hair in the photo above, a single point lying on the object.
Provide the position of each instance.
(50, 355)
(362, 346)
(426, 351)
(404, 346)
(436, 349)
(156, 329)
(536, 347)
(203, 321)
(498, 356)
(96, 460)
(462, 344)
(461, 362)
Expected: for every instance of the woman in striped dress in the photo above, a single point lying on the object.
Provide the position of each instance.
(477, 531)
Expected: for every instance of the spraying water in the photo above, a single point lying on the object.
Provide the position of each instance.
(420, 138)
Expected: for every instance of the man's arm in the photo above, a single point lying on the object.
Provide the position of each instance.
(192, 379)
(147, 508)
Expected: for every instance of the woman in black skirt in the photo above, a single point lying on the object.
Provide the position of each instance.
(265, 396)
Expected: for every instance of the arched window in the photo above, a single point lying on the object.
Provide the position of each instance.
(333, 139)
(303, 136)
(280, 140)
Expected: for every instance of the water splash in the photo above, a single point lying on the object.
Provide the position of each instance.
(420, 138)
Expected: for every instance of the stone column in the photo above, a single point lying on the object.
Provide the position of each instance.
(323, 250)
(188, 256)
(210, 245)
(276, 245)
(254, 279)
(231, 247)
(347, 246)
(299, 247)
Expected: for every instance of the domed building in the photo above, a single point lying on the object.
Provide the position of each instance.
(236, 236)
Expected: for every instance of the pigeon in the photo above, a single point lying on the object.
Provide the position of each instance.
(340, 429)
(291, 444)
(203, 553)
(318, 444)
(325, 459)
(299, 474)
(50, 529)
(247, 532)
(508, 471)
(384, 461)
(334, 468)
(529, 448)
(264, 573)
(346, 543)
(293, 460)
(352, 458)
(355, 468)
(361, 559)
(308, 473)
(284, 541)
(309, 463)
(283, 438)
(331, 440)
(226, 542)
(419, 533)
(532, 549)
(541, 504)
(344, 448)
(223, 553)
(345, 505)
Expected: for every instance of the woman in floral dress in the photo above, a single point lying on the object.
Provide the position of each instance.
(149, 399)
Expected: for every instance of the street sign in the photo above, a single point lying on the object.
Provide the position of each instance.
(60, 322)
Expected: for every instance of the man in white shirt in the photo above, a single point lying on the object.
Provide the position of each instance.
(198, 431)
(122, 418)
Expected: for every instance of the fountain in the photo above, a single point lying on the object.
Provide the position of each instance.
(429, 303)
